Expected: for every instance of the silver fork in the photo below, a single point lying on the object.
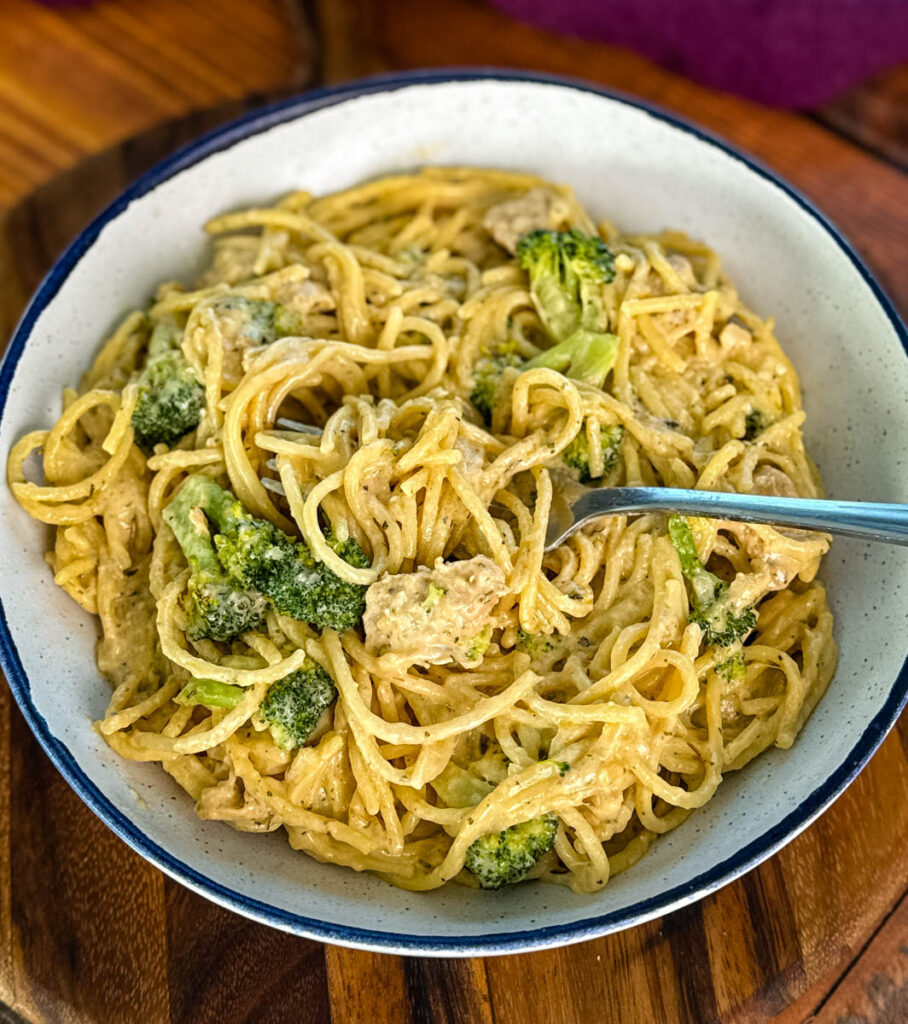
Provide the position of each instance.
(282, 423)
(852, 518)
(869, 520)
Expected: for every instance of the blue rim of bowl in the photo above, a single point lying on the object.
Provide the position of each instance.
(732, 867)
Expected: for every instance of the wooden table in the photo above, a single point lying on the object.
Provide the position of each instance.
(91, 933)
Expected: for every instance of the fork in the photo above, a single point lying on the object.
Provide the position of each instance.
(868, 520)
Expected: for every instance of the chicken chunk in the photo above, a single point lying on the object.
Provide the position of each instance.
(234, 261)
(241, 323)
(777, 556)
(682, 267)
(305, 297)
(539, 209)
(435, 616)
(734, 336)
(771, 480)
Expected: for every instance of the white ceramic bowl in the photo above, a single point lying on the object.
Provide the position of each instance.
(646, 171)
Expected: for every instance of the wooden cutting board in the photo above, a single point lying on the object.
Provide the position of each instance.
(91, 933)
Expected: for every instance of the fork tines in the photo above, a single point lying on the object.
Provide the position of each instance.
(285, 423)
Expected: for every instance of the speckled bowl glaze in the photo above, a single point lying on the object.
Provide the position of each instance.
(646, 171)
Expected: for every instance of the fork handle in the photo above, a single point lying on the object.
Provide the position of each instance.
(870, 520)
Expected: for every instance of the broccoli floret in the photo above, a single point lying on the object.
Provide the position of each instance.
(577, 453)
(567, 270)
(535, 644)
(710, 607)
(503, 858)
(584, 356)
(170, 395)
(210, 693)
(733, 668)
(216, 608)
(256, 555)
(263, 321)
(218, 611)
(350, 551)
(293, 705)
(477, 645)
(755, 422)
(487, 373)
(434, 595)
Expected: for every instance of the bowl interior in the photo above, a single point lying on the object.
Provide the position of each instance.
(644, 173)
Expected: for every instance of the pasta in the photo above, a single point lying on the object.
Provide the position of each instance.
(490, 683)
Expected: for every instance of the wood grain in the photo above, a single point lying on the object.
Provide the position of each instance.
(88, 939)
(51, 217)
(221, 967)
(355, 977)
(873, 988)
(75, 80)
(91, 933)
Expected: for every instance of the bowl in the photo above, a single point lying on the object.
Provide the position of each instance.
(646, 170)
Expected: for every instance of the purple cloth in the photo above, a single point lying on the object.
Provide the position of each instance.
(786, 53)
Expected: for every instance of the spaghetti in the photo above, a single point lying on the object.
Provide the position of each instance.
(585, 693)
